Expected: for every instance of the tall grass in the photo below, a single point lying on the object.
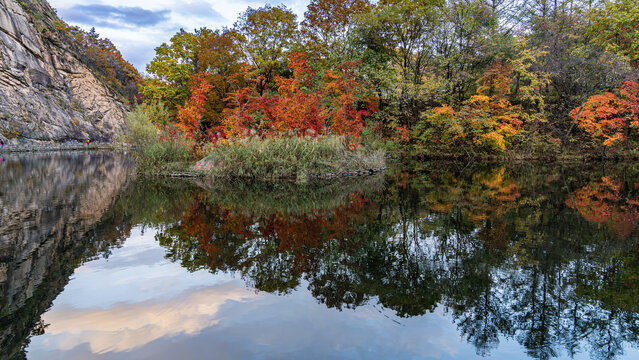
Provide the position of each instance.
(294, 158)
(156, 146)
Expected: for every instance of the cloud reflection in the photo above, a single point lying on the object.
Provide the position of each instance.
(128, 326)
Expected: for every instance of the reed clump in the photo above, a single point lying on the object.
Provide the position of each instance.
(290, 158)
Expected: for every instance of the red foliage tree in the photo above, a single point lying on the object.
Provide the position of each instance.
(303, 105)
(190, 115)
(349, 102)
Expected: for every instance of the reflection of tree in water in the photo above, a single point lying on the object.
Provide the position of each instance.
(533, 292)
(502, 250)
(609, 202)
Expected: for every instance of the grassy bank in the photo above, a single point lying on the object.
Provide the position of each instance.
(161, 150)
(290, 158)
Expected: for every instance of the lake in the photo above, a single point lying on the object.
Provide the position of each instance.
(427, 261)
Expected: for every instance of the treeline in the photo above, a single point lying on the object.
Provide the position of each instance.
(439, 76)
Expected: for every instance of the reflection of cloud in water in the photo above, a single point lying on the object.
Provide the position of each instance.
(128, 326)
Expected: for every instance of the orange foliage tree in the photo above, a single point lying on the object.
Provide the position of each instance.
(304, 105)
(190, 115)
(609, 117)
(296, 108)
(345, 93)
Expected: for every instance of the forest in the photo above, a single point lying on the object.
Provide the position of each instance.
(423, 78)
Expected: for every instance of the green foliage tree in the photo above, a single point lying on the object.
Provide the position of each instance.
(464, 47)
(327, 24)
(172, 67)
(615, 26)
(269, 34)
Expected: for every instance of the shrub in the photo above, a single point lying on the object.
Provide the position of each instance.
(140, 130)
(156, 147)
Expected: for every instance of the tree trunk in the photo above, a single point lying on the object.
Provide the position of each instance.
(571, 126)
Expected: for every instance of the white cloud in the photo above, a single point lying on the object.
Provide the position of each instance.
(137, 37)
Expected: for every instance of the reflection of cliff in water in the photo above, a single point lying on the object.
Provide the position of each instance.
(51, 206)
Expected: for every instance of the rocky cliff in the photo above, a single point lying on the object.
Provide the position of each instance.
(46, 91)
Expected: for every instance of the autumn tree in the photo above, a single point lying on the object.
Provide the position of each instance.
(350, 100)
(296, 109)
(452, 75)
(270, 33)
(609, 117)
(219, 58)
(400, 33)
(182, 67)
(327, 24)
(487, 121)
(464, 44)
(435, 50)
(577, 68)
(172, 67)
(310, 103)
(530, 85)
(189, 116)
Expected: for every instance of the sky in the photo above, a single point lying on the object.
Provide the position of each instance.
(138, 27)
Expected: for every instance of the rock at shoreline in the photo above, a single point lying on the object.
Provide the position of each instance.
(203, 165)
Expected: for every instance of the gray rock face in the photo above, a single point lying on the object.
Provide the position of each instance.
(46, 93)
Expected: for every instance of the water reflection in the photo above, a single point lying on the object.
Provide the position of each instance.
(133, 311)
(50, 207)
(524, 261)
(512, 254)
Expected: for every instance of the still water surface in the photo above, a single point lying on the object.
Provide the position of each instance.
(430, 261)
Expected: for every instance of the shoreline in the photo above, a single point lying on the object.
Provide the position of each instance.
(192, 173)
(514, 157)
(397, 155)
(45, 147)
